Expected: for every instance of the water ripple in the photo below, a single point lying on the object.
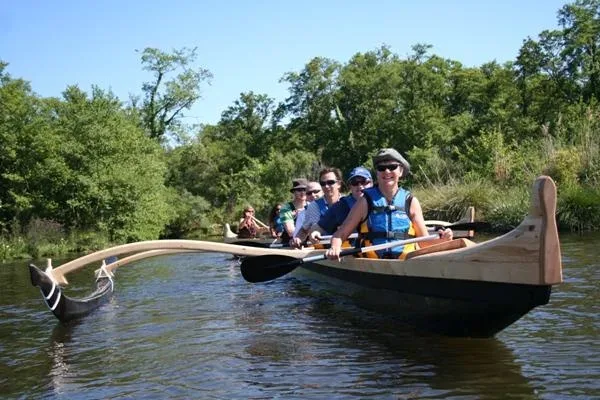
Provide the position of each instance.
(188, 326)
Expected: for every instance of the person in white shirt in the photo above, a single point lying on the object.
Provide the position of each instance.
(313, 192)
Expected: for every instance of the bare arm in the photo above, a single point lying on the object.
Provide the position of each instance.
(315, 233)
(289, 228)
(357, 214)
(416, 216)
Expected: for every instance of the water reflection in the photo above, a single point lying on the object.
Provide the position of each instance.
(60, 363)
(188, 326)
(325, 344)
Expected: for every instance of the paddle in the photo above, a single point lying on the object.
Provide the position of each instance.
(463, 226)
(268, 267)
(251, 243)
(260, 222)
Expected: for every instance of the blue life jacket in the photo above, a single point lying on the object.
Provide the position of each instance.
(386, 222)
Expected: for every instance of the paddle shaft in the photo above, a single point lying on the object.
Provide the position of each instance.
(376, 247)
(460, 226)
(275, 245)
(268, 267)
(259, 222)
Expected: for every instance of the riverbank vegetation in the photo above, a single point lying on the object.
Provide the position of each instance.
(86, 169)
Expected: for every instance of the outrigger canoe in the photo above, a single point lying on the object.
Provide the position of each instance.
(456, 287)
(261, 241)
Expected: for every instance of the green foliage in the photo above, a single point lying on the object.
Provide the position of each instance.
(81, 161)
(430, 167)
(578, 208)
(449, 202)
(564, 166)
(111, 172)
(43, 238)
(502, 208)
(509, 208)
(578, 131)
(13, 247)
(190, 216)
(87, 241)
(40, 234)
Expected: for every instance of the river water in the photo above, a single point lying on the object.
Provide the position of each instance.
(188, 326)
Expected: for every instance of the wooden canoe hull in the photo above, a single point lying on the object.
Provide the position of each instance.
(461, 288)
(451, 307)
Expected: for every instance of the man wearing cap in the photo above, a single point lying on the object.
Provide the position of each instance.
(289, 211)
(330, 179)
(385, 213)
(359, 179)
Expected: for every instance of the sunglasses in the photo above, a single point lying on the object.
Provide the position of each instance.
(356, 182)
(383, 167)
(299, 190)
(313, 192)
(330, 182)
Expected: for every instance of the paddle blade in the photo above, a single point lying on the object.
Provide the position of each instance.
(268, 267)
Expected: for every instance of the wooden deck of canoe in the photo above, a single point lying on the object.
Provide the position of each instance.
(456, 288)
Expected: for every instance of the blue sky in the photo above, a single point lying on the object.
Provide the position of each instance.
(248, 45)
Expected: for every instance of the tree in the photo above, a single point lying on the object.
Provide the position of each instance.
(312, 104)
(165, 100)
(103, 174)
(25, 143)
(248, 124)
(581, 44)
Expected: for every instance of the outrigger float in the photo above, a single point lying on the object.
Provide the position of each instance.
(457, 287)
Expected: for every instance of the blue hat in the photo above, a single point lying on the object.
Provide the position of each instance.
(360, 171)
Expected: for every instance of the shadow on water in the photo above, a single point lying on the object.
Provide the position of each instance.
(374, 353)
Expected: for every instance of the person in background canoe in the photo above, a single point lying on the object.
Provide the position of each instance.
(381, 207)
(313, 192)
(359, 179)
(248, 228)
(275, 225)
(289, 211)
(330, 179)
